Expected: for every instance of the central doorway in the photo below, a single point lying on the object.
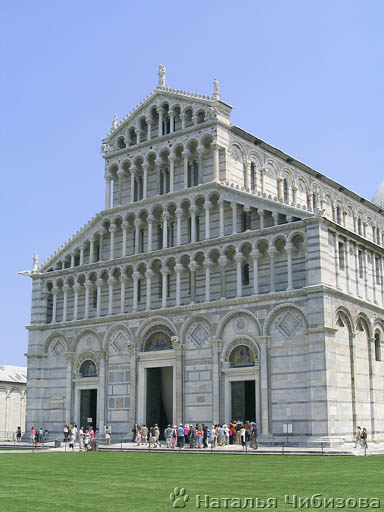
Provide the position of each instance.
(88, 407)
(159, 396)
(243, 404)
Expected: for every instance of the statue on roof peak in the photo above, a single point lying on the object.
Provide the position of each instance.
(35, 262)
(115, 122)
(216, 90)
(162, 72)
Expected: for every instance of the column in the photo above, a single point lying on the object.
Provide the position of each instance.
(216, 351)
(65, 290)
(81, 255)
(136, 276)
(239, 258)
(149, 128)
(145, 180)
(150, 220)
(179, 214)
(275, 216)
(99, 283)
(264, 384)
(200, 153)
(55, 291)
(165, 218)
(280, 192)
(111, 280)
(92, 249)
(216, 168)
(178, 348)
(309, 201)
(101, 392)
(255, 255)
(208, 265)
(223, 260)
(207, 206)
(178, 269)
(193, 211)
(138, 135)
(112, 229)
(158, 163)
(120, 174)
(171, 115)
(137, 223)
(108, 180)
(164, 273)
(148, 276)
(182, 117)
(261, 216)
(68, 394)
(123, 285)
(348, 244)
(133, 177)
(234, 217)
(72, 260)
(132, 351)
(272, 252)
(294, 194)
(160, 130)
(262, 173)
(76, 289)
(124, 227)
(373, 266)
(171, 173)
(88, 285)
(336, 255)
(185, 155)
(289, 248)
(221, 217)
(193, 266)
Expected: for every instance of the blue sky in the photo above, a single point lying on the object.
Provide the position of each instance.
(306, 76)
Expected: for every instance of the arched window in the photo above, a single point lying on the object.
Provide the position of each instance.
(245, 274)
(359, 226)
(242, 356)
(193, 173)
(121, 143)
(88, 369)
(377, 347)
(314, 200)
(158, 340)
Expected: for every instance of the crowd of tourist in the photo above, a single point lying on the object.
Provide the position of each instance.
(37, 435)
(198, 436)
(84, 437)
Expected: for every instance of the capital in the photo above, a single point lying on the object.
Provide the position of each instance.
(179, 212)
(137, 223)
(112, 228)
(289, 247)
(125, 225)
(150, 219)
(223, 260)
(165, 270)
(193, 266)
(208, 263)
(123, 278)
(120, 173)
(193, 209)
(185, 154)
(77, 287)
(208, 205)
(165, 216)
(233, 206)
(158, 161)
(255, 254)
(133, 171)
(239, 258)
(99, 282)
(111, 280)
(88, 284)
(264, 341)
(149, 274)
(136, 276)
(179, 268)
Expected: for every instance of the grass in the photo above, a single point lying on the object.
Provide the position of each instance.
(114, 482)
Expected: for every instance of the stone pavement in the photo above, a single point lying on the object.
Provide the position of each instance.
(347, 450)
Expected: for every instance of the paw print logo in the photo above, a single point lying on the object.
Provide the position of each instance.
(178, 497)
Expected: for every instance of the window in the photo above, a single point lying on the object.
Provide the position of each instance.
(314, 200)
(139, 290)
(253, 177)
(171, 234)
(141, 240)
(338, 215)
(245, 274)
(377, 347)
(245, 220)
(94, 299)
(241, 356)
(361, 264)
(285, 189)
(193, 173)
(197, 228)
(377, 269)
(159, 236)
(341, 256)
(359, 226)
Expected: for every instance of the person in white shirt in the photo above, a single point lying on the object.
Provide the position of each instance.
(74, 433)
(81, 438)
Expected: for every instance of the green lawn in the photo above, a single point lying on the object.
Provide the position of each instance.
(114, 482)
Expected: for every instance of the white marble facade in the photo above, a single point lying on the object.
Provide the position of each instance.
(224, 260)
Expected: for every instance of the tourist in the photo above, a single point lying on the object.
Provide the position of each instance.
(243, 437)
(237, 432)
(205, 435)
(87, 439)
(46, 433)
(138, 435)
(213, 436)
(144, 435)
(72, 441)
(198, 436)
(156, 436)
(81, 439)
(174, 436)
(18, 434)
(107, 435)
(358, 437)
(134, 432)
(226, 435)
(32, 434)
(180, 436)
(168, 432)
(364, 436)
(66, 433)
(253, 436)
(231, 432)
(74, 433)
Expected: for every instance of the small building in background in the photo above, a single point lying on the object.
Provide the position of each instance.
(13, 382)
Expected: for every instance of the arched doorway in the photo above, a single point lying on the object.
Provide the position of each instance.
(156, 391)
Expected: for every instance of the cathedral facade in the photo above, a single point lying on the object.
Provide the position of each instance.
(222, 280)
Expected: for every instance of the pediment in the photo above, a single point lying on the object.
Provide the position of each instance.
(171, 100)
